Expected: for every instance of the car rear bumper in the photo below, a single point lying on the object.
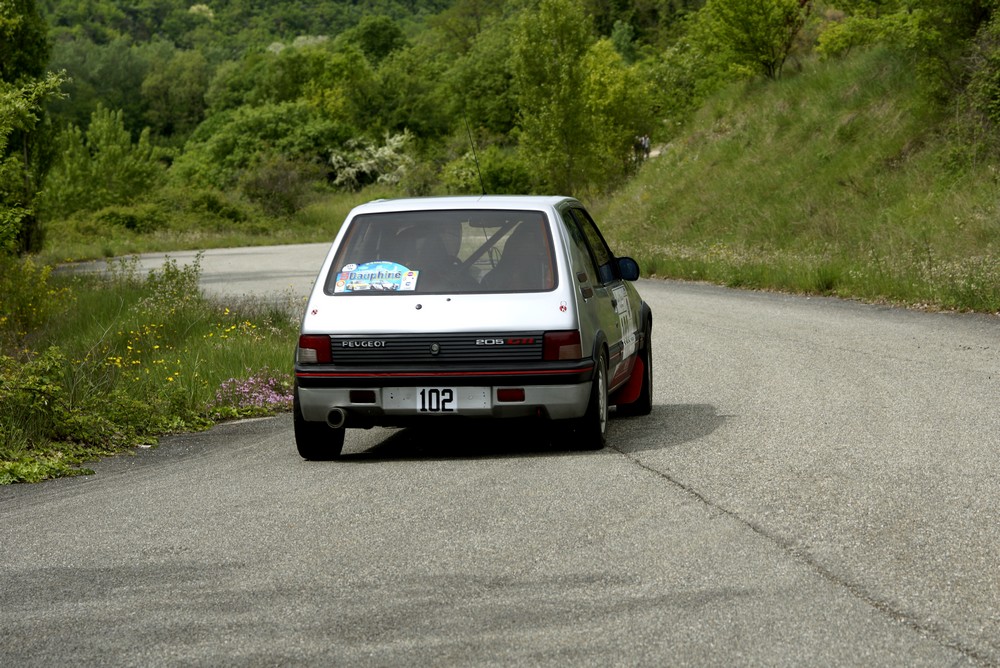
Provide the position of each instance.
(394, 398)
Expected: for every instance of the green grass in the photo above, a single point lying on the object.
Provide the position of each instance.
(92, 366)
(840, 180)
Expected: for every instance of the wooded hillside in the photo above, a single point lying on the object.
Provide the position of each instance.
(232, 109)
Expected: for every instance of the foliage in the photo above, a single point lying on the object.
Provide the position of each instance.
(619, 106)
(233, 26)
(580, 104)
(231, 143)
(412, 98)
(174, 95)
(548, 53)
(346, 89)
(110, 75)
(362, 163)
(754, 34)
(136, 357)
(481, 81)
(24, 52)
(835, 182)
(24, 47)
(100, 167)
(327, 79)
(377, 36)
(983, 91)
(29, 300)
(20, 107)
(500, 171)
(934, 33)
(280, 186)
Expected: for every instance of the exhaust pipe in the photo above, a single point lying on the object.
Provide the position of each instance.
(336, 418)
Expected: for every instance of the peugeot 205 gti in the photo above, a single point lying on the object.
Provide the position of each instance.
(475, 307)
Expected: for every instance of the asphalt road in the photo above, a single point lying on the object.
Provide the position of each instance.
(818, 484)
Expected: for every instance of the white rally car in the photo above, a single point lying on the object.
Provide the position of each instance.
(470, 307)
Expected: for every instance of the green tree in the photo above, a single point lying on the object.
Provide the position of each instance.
(460, 25)
(175, 95)
(346, 89)
(623, 37)
(483, 88)
(24, 46)
(110, 74)
(580, 105)
(548, 64)
(20, 110)
(413, 94)
(757, 35)
(100, 167)
(619, 105)
(938, 35)
(24, 54)
(229, 144)
(377, 37)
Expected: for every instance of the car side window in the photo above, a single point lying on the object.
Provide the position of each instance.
(600, 253)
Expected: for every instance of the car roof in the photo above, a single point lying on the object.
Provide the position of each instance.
(499, 202)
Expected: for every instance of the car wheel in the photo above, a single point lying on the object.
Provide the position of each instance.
(316, 441)
(643, 405)
(592, 428)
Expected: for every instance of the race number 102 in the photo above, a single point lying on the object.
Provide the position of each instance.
(436, 400)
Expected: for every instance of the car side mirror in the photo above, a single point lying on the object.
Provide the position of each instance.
(628, 269)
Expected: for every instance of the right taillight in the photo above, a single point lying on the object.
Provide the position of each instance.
(562, 346)
(314, 349)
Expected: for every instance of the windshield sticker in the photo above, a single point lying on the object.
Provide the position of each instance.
(378, 276)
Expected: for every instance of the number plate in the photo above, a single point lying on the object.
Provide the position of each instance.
(436, 400)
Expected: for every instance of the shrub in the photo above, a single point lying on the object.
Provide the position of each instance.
(28, 301)
(141, 218)
(280, 186)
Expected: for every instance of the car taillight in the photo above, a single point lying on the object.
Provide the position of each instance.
(314, 349)
(562, 346)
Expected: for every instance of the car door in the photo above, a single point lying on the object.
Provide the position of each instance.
(610, 302)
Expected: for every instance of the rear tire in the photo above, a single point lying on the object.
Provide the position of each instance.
(315, 441)
(592, 429)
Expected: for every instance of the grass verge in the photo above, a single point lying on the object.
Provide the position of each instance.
(96, 365)
(841, 180)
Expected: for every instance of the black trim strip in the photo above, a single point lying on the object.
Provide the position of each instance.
(359, 377)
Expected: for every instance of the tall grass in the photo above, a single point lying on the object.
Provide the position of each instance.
(840, 180)
(93, 365)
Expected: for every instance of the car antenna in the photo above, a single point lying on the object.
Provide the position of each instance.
(475, 157)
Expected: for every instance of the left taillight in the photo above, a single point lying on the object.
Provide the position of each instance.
(314, 349)
(563, 345)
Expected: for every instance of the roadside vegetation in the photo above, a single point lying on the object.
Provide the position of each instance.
(96, 365)
(835, 147)
(842, 180)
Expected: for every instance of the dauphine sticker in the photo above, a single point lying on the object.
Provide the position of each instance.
(380, 276)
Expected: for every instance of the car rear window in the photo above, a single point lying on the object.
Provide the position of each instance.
(465, 251)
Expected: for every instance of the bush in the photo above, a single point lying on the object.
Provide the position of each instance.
(503, 172)
(141, 218)
(28, 301)
(280, 186)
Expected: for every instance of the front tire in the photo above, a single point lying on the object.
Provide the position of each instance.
(315, 441)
